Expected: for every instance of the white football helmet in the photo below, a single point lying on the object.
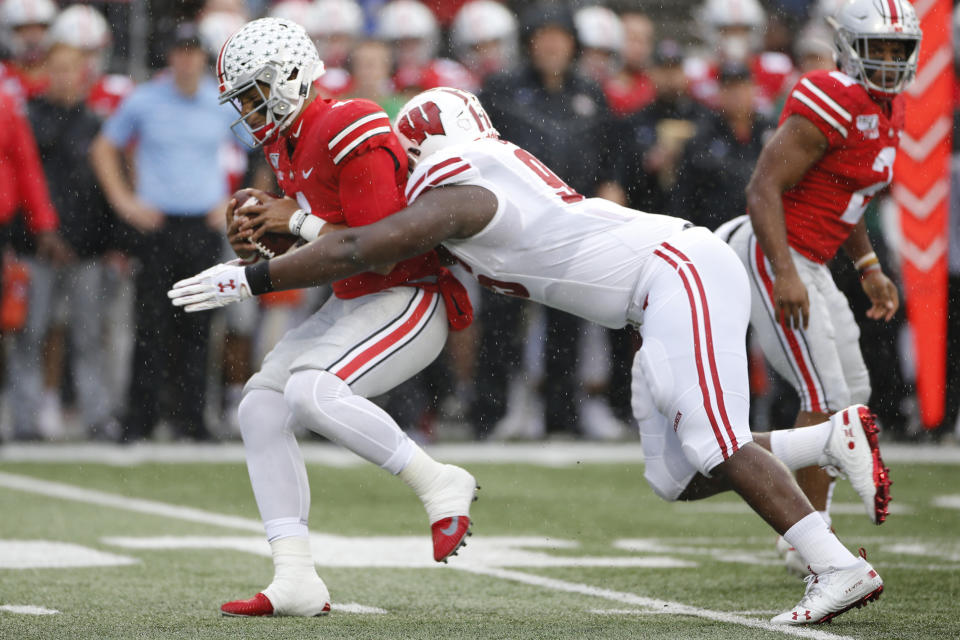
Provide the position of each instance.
(439, 118)
(338, 17)
(21, 13)
(80, 26)
(479, 22)
(403, 21)
(717, 18)
(859, 22)
(215, 27)
(278, 59)
(599, 28)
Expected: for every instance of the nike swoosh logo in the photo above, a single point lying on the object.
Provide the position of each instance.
(452, 529)
(299, 127)
(306, 174)
(337, 104)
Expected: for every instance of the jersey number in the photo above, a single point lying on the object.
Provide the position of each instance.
(883, 163)
(562, 189)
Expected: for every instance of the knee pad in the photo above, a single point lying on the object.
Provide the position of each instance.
(261, 412)
(309, 389)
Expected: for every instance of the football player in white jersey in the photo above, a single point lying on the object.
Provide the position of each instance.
(520, 230)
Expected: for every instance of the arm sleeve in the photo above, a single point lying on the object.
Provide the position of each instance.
(369, 188)
(30, 181)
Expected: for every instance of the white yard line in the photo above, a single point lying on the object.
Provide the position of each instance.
(650, 605)
(548, 454)
(28, 609)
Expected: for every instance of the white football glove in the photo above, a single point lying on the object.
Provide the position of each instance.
(212, 288)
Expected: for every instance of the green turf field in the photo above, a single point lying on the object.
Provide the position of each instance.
(150, 549)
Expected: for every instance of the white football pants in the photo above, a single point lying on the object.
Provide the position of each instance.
(319, 376)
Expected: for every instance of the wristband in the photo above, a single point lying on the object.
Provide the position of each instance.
(305, 225)
(870, 268)
(258, 277)
(866, 261)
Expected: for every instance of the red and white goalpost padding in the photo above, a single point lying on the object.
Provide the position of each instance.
(921, 191)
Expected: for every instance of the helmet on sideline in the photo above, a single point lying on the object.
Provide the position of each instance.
(482, 21)
(439, 118)
(80, 26)
(21, 13)
(599, 28)
(269, 53)
(408, 20)
(715, 17)
(860, 22)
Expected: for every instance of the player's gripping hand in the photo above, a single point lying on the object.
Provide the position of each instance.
(213, 288)
(882, 293)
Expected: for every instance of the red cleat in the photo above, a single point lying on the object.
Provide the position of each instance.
(448, 536)
(258, 605)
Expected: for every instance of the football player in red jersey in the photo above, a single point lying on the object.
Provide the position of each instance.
(23, 29)
(338, 162)
(833, 151)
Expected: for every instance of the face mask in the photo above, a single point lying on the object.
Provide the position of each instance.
(735, 47)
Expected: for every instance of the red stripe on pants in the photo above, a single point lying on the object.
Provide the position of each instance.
(387, 341)
(696, 342)
(815, 403)
(708, 330)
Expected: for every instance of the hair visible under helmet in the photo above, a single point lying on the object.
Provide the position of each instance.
(439, 118)
(859, 22)
(278, 59)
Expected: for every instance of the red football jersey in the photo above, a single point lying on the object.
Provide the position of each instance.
(343, 163)
(108, 92)
(862, 135)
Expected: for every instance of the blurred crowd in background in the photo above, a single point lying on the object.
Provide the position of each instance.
(662, 106)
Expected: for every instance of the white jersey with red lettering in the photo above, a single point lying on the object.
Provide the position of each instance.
(547, 242)
(614, 265)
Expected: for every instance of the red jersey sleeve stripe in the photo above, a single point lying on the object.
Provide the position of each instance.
(359, 139)
(356, 124)
(809, 102)
(827, 100)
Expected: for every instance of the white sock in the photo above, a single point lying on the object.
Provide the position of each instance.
(800, 447)
(324, 403)
(420, 472)
(812, 538)
(826, 514)
(292, 559)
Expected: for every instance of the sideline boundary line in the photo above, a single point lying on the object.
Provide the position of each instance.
(548, 454)
(79, 494)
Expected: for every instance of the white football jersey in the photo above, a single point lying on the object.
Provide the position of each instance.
(547, 242)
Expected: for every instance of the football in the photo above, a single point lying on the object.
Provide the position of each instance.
(271, 244)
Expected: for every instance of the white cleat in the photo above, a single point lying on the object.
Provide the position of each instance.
(853, 451)
(833, 592)
(447, 502)
(793, 561)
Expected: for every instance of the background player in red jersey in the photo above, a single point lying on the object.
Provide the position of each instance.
(338, 162)
(833, 151)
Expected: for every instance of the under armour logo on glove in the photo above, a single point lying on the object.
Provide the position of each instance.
(213, 288)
